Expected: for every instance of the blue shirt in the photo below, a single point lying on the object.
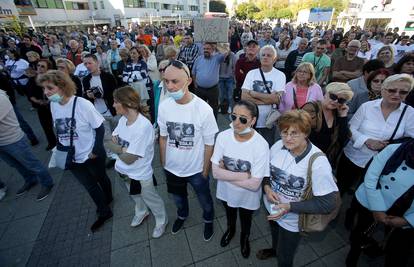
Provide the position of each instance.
(207, 70)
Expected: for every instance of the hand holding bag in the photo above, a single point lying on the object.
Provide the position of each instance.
(316, 222)
(274, 114)
(63, 156)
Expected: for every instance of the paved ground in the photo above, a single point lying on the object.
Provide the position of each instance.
(55, 232)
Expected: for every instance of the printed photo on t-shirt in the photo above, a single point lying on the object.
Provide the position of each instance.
(63, 128)
(258, 86)
(123, 143)
(181, 135)
(289, 185)
(236, 165)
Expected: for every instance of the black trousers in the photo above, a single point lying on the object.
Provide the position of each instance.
(92, 175)
(399, 250)
(348, 173)
(210, 95)
(245, 218)
(285, 243)
(46, 121)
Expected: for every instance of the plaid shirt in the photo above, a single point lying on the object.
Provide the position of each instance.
(136, 73)
(188, 55)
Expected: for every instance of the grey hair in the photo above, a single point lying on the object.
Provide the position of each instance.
(398, 78)
(268, 47)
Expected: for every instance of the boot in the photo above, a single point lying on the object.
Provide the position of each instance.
(227, 236)
(244, 245)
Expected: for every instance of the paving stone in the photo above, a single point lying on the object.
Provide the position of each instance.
(132, 256)
(16, 256)
(196, 241)
(224, 259)
(171, 250)
(124, 235)
(325, 242)
(252, 260)
(8, 208)
(336, 258)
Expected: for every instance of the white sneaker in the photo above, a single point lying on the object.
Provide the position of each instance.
(229, 110)
(159, 230)
(3, 192)
(137, 221)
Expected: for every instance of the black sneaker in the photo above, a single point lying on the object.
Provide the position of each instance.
(208, 231)
(178, 224)
(44, 192)
(100, 222)
(26, 187)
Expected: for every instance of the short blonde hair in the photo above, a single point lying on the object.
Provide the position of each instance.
(163, 64)
(308, 67)
(398, 78)
(340, 88)
(68, 64)
(170, 52)
(60, 79)
(268, 47)
(297, 118)
(124, 52)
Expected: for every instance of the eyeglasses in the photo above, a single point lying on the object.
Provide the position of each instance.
(394, 91)
(334, 97)
(293, 135)
(377, 81)
(241, 119)
(178, 64)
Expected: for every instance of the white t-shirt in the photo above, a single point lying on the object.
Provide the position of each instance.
(81, 71)
(99, 103)
(401, 50)
(276, 81)
(252, 156)
(17, 69)
(138, 138)
(188, 128)
(86, 120)
(288, 179)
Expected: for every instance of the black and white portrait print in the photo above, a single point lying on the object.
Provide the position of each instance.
(258, 86)
(181, 135)
(291, 186)
(63, 128)
(123, 143)
(236, 165)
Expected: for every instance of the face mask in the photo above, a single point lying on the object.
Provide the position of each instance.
(244, 132)
(177, 95)
(55, 98)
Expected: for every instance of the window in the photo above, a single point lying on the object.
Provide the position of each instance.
(165, 6)
(193, 8)
(178, 7)
(48, 4)
(153, 5)
(95, 5)
(76, 5)
(134, 3)
(102, 5)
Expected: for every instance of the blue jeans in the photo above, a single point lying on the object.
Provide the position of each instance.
(24, 125)
(201, 186)
(20, 156)
(226, 86)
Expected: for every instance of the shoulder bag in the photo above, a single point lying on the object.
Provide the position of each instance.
(316, 222)
(63, 156)
(274, 114)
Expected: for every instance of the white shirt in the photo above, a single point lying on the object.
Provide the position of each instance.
(369, 123)
(401, 50)
(99, 103)
(249, 156)
(366, 55)
(188, 128)
(17, 69)
(81, 71)
(288, 178)
(276, 81)
(138, 138)
(295, 43)
(86, 120)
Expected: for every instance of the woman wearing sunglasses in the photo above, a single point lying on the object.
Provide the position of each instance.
(239, 163)
(376, 124)
(330, 130)
(289, 160)
(374, 83)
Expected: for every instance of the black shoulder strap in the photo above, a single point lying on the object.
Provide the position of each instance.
(398, 123)
(295, 100)
(264, 81)
(71, 121)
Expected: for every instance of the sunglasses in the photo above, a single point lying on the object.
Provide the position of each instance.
(241, 119)
(334, 97)
(394, 91)
(178, 64)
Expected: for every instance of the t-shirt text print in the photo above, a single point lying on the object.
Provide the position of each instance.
(291, 187)
(63, 126)
(181, 135)
(236, 165)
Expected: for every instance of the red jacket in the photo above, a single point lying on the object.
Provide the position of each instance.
(242, 68)
(74, 57)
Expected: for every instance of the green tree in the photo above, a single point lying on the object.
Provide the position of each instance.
(246, 11)
(284, 13)
(217, 6)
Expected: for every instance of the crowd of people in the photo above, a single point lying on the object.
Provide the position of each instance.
(314, 110)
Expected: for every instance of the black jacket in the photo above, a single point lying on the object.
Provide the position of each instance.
(109, 85)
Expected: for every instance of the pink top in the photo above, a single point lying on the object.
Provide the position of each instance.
(313, 93)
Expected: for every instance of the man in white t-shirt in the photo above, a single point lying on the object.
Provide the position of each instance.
(187, 131)
(264, 95)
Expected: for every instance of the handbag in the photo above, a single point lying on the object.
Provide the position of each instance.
(63, 156)
(316, 222)
(274, 114)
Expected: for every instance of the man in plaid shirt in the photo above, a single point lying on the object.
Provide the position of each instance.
(188, 52)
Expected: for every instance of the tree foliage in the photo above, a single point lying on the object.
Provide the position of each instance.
(246, 11)
(217, 6)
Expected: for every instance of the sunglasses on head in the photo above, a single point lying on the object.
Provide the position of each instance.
(241, 119)
(334, 97)
(178, 64)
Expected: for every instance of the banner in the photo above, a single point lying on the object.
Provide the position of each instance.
(211, 30)
(25, 7)
(320, 14)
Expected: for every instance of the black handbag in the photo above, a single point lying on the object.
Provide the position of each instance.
(64, 155)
